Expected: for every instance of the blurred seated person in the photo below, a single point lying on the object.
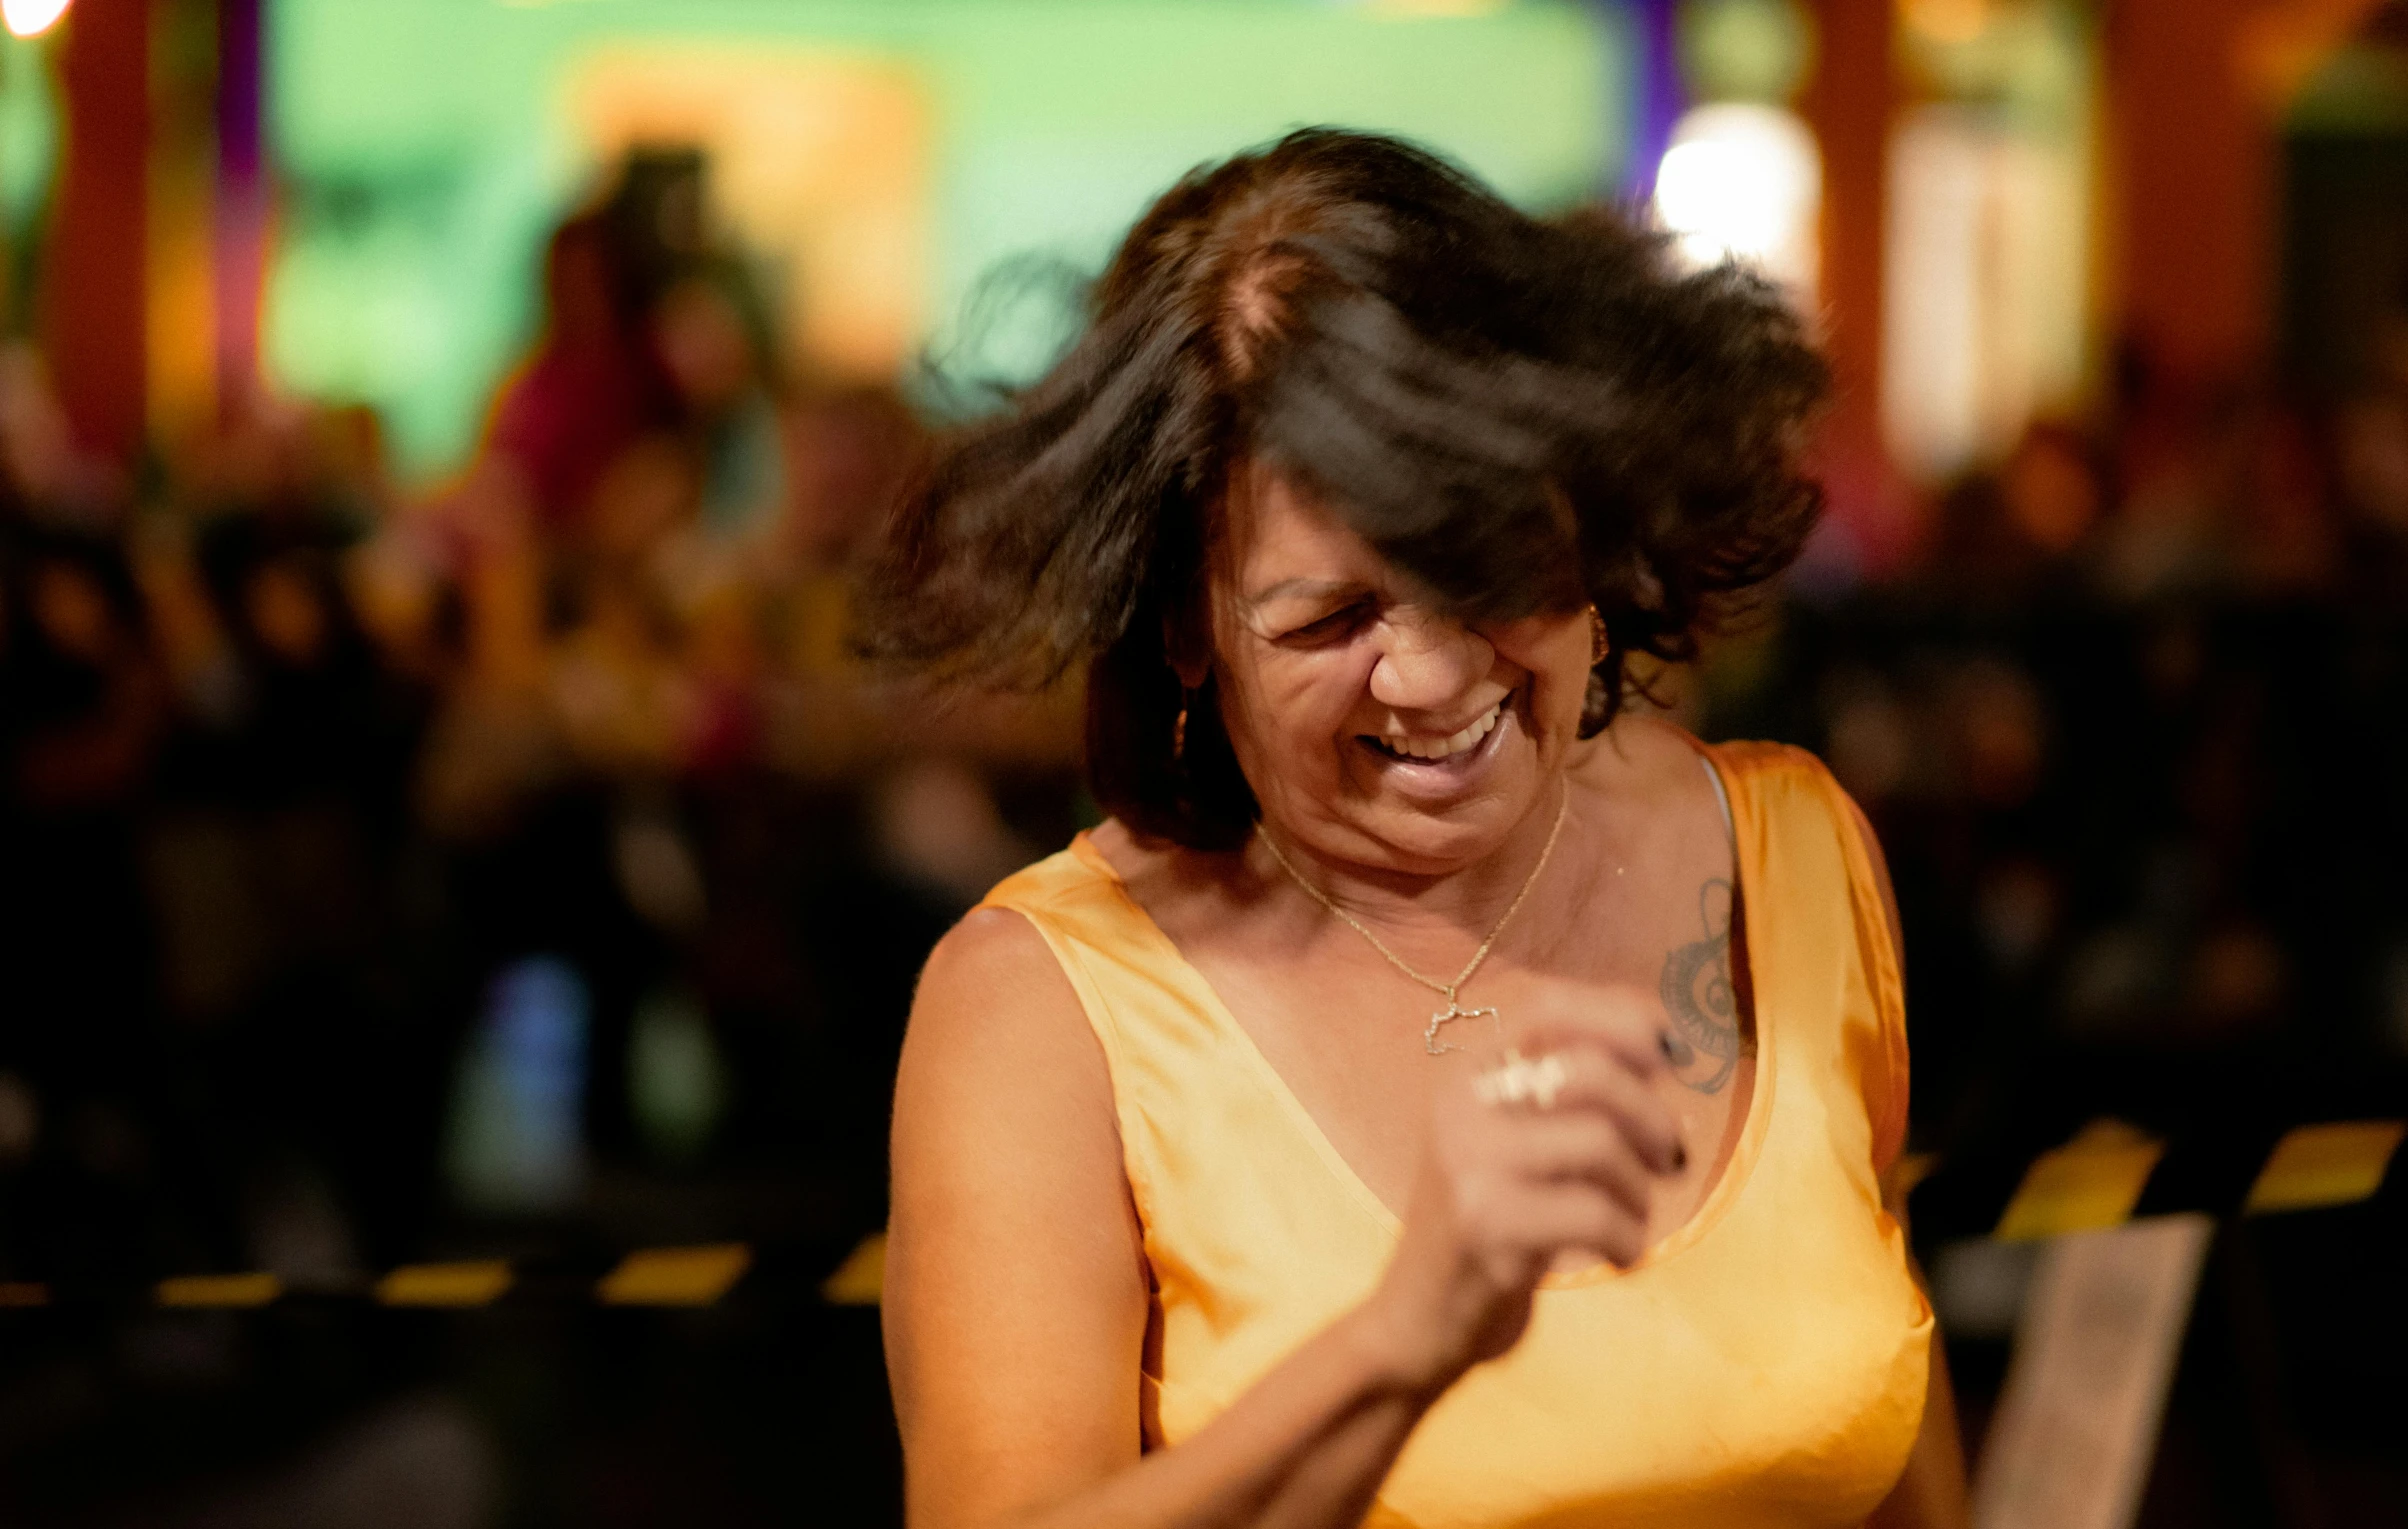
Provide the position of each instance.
(1375, 1120)
(618, 689)
(850, 453)
(593, 387)
(2370, 451)
(319, 711)
(82, 707)
(81, 699)
(714, 345)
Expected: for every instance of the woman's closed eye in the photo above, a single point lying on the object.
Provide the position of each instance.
(1333, 627)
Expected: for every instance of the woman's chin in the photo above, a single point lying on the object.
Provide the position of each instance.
(1426, 831)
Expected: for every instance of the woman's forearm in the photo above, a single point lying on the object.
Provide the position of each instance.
(1306, 1448)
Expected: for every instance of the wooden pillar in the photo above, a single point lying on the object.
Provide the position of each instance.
(2193, 165)
(95, 266)
(1848, 102)
(181, 325)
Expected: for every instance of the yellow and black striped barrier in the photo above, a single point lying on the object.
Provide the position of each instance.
(2107, 1175)
(2111, 1173)
(682, 1276)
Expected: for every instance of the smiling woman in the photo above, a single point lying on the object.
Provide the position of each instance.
(1356, 497)
(1516, 415)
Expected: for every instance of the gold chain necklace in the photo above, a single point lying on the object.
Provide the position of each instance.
(1453, 1010)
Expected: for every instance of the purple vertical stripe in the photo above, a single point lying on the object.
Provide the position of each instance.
(1657, 98)
(242, 202)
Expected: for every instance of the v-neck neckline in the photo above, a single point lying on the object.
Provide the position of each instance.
(1718, 1199)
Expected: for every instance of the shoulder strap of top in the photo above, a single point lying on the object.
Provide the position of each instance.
(1148, 1011)
(1795, 826)
(1722, 796)
(1078, 906)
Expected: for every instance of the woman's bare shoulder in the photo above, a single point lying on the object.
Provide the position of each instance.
(987, 941)
(1646, 761)
(992, 988)
(1003, 1095)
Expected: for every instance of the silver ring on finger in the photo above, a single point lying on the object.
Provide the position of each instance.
(1520, 1080)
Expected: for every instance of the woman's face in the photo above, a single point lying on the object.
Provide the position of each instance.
(1374, 729)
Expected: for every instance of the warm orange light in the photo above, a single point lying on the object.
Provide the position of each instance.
(819, 159)
(31, 18)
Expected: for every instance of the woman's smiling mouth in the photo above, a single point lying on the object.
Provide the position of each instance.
(1439, 750)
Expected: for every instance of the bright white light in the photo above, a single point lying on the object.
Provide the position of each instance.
(1744, 183)
(31, 18)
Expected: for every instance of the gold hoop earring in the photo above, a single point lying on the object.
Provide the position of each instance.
(1599, 647)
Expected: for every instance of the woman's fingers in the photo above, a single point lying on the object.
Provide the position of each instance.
(1582, 1080)
(1613, 1021)
(1585, 1149)
(1553, 1218)
(1553, 1147)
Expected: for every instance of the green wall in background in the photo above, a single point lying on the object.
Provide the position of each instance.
(423, 159)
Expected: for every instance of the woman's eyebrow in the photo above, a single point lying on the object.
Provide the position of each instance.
(1300, 588)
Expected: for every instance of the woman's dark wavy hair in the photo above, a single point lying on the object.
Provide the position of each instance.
(1522, 414)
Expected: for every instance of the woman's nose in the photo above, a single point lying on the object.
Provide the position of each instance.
(1427, 662)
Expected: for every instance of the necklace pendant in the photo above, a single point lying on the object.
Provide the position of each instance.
(1430, 1041)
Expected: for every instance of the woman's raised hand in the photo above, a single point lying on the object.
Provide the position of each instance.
(1552, 1151)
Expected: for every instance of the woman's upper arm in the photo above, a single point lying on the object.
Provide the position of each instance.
(1016, 1297)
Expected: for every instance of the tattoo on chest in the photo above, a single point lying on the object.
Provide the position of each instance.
(1697, 993)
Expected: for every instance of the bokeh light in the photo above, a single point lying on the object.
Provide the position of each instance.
(31, 18)
(1743, 182)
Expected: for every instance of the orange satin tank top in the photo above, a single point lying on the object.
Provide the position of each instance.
(1763, 1366)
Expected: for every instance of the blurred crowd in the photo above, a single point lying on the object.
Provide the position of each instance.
(386, 876)
(308, 787)
(2129, 722)
(518, 866)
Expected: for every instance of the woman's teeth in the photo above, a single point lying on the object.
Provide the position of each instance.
(1449, 746)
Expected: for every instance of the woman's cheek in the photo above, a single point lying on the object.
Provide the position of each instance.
(1309, 707)
(1563, 691)
(1274, 726)
(1555, 656)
